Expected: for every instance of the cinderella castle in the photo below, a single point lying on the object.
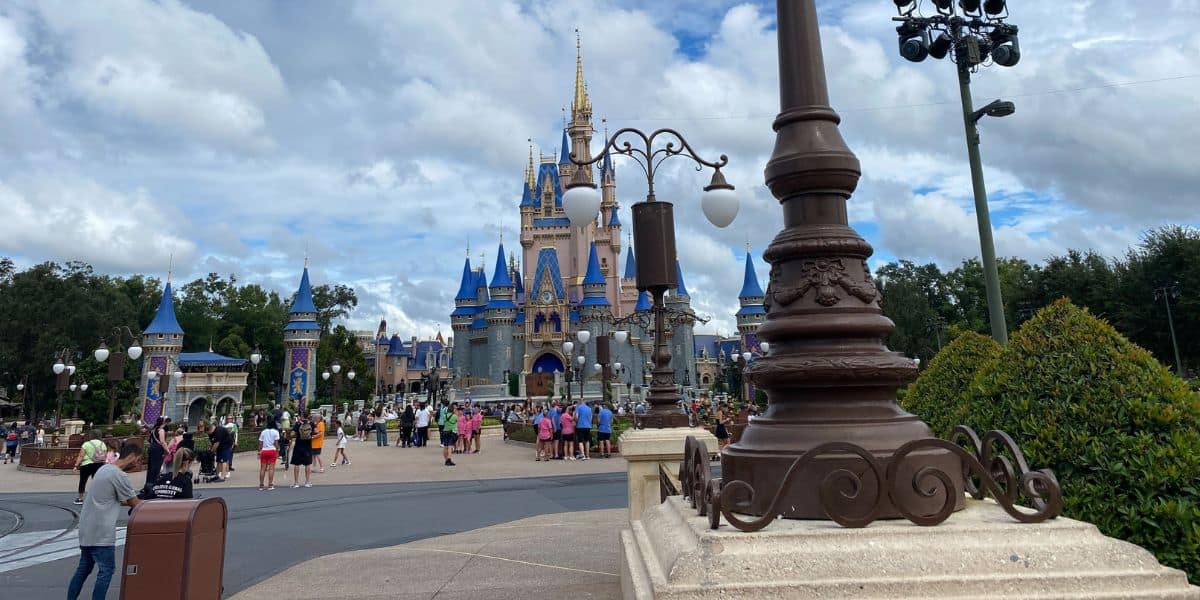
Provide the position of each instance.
(568, 279)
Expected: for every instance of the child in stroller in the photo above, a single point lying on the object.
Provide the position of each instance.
(208, 467)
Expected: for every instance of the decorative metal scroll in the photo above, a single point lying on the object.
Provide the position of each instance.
(987, 471)
(671, 315)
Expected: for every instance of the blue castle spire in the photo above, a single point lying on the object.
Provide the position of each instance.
(594, 275)
(164, 319)
(680, 288)
(750, 287)
(606, 166)
(644, 303)
(614, 221)
(466, 289)
(304, 299)
(630, 265)
(501, 277)
(565, 155)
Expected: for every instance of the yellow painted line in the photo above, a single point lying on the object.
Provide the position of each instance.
(512, 560)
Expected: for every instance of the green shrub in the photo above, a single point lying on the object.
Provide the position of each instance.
(1120, 431)
(123, 429)
(490, 421)
(941, 396)
(523, 434)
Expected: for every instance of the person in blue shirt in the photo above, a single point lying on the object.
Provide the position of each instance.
(604, 420)
(557, 446)
(583, 429)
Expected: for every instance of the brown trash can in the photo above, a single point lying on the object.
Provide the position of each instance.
(175, 549)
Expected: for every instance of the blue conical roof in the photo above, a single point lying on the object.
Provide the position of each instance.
(594, 275)
(644, 302)
(304, 299)
(527, 195)
(750, 287)
(630, 265)
(480, 279)
(606, 167)
(466, 289)
(680, 288)
(164, 319)
(614, 221)
(501, 277)
(565, 156)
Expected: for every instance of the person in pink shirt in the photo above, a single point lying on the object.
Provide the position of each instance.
(464, 432)
(477, 428)
(545, 436)
(567, 420)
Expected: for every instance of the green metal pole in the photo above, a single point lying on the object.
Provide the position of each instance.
(1171, 324)
(991, 276)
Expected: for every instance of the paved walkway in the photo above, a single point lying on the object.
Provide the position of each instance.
(568, 555)
(370, 464)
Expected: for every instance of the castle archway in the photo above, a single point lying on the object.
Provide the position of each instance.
(196, 412)
(547, 363)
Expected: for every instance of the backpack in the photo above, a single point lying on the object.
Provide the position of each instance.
(12, 436)
(306, 431)
(99, 452)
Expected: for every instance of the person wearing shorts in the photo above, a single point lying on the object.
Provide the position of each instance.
(604, 419)
(567, 425)
(318, 442)
(583, 429)
(268, 453)
(449, 433)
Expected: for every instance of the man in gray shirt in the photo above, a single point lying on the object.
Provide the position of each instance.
(109, 491)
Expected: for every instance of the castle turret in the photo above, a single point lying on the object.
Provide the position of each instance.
(580, 127)
(162, 341)
(629, 291)
(301, 336)
(464, 311)
(752, 312)
(501, 313)
(680, 336)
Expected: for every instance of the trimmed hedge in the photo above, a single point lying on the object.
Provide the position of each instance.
(1120, 431)
(941, 396)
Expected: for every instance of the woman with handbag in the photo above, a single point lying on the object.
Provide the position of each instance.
(91, 457)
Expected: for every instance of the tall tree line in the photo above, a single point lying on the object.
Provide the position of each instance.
(51, 308)
(1127, 291)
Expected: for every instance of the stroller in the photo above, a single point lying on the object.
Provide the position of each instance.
(208, 466)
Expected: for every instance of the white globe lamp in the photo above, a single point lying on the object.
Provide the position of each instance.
(101, 353)
(581, 202)
(719, 202)
(135, 352)
(583, 336)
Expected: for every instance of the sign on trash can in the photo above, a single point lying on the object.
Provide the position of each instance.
(175, 549)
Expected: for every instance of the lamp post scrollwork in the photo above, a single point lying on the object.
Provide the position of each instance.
(654, 237)
(115, 357)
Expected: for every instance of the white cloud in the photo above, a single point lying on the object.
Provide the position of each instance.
(58, 217)
(378, 136)
(166, 66)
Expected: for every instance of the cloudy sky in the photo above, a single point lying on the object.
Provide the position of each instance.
(380, 136)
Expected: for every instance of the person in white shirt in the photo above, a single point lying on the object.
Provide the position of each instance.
(423, 425)
(268, 451)
(341, 446)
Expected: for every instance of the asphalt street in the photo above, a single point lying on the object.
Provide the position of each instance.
(270, 531)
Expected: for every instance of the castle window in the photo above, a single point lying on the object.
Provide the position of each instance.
(554, 318)
(538, 321)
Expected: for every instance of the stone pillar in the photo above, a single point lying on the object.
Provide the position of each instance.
(644, 450)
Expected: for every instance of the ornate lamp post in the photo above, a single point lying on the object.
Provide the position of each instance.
(78, 391)
(116, 366)
(1167, 293)
(829, 377)
(654, 239)
(64, 369)
(255, 358)
(969, 32)
(21, 388)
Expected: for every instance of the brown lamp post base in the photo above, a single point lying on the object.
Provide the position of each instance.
(826, 478)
